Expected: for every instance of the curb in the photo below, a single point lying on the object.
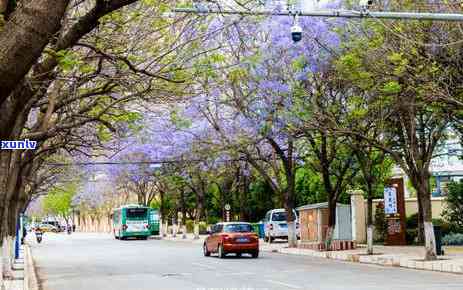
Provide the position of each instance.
(30, 273)
(385, 260)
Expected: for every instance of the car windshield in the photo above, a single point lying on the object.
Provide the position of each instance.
(136, 212)
(237, 228)
(281, 216)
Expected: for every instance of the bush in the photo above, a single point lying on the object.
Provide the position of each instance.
(453, 212)
(412, 221)
(411, 236)
(189, 226)
(202, 228)
(444, 226)
(213, 220)
(453, 240)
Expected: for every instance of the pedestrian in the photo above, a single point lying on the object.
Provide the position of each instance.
(73, 228)
(24, 236)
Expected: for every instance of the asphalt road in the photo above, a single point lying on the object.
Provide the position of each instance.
(98, 262)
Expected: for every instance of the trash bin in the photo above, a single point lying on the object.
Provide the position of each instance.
(255, 228)
(261, 230)
(438, 236)
(258, 228)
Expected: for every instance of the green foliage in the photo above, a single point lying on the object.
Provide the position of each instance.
(58, 201)
(179, 121)
(391, 87)
(453, 213)
(309, 187)
(261, 199)
(213, 219)
(412, 228)
(189, 226)
(67, 60)
(453, 239)
(445, 227)
(412, 221)
(411, 236)
(202, 228)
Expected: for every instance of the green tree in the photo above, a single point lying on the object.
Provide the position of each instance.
(59, 199)
(453, 213)
(401, 85)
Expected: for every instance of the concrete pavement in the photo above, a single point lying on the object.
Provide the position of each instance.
(407, 257)
(97, 261)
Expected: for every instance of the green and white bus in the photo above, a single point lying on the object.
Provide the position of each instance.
(132, 221)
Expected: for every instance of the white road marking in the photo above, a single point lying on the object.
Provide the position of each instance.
(293, 271)
(236, 274)
(203, 266)
(284, 284)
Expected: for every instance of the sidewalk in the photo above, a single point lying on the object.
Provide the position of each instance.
(17, 283)
(407, 256)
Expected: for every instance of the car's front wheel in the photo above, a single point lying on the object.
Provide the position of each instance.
(205, 251)
(255, 254)
(221, 252)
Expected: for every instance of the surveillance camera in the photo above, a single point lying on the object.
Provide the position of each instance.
(365, 4)
(296, 33)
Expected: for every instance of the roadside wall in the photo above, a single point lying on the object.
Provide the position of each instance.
(359, 222)
(87, 223)
(411, 206)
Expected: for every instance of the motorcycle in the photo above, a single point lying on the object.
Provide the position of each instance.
(38, 235)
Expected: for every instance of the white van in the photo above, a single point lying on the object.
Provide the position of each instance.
(275, 226)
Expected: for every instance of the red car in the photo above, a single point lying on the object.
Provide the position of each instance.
(232, 237)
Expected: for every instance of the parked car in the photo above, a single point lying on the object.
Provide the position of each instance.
(55, 224)
(48, 228)
(275, 225)
(231, 237)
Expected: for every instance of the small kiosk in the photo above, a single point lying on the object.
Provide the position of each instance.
(314, 226)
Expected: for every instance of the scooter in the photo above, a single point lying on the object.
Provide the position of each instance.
(38, 235)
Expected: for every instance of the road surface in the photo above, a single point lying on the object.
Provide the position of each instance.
(99, 262)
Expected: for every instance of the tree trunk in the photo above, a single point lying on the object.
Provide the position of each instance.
(420, 236)
(23, 39)
(370, 226)
(162, 209)
(370, 233)
(424, 197)
(292, 235)
(7, 257)
(429, 238)
(3, 6)
(331, 224)
(4, 170)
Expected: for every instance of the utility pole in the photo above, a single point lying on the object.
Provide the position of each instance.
(342, 13)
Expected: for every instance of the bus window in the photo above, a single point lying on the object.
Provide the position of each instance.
(136, 213)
